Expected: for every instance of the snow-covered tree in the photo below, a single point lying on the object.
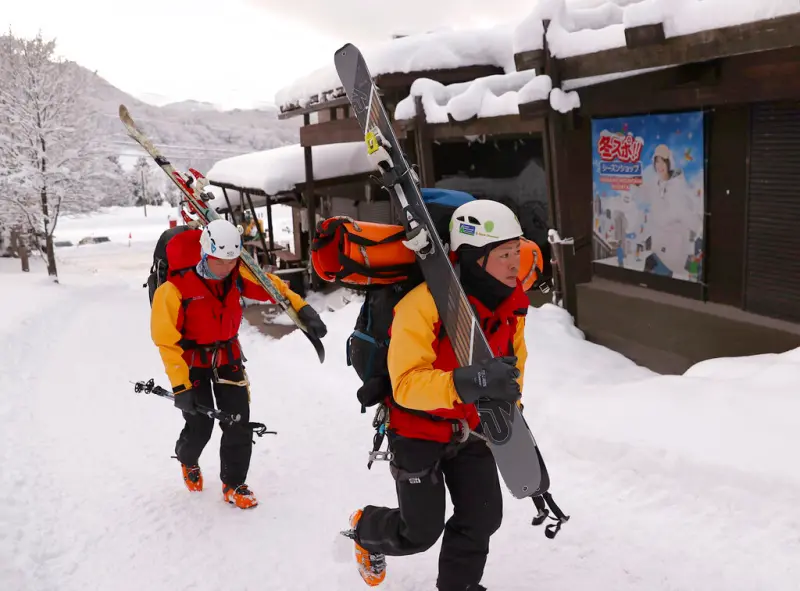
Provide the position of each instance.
(120, 189)
(53, 162)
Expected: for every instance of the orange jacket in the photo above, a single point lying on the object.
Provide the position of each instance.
(421, 363)
(189, 311)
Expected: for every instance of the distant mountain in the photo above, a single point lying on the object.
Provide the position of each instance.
(191, 133)
(191, 106)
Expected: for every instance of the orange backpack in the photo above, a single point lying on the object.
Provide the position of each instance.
(363, 255)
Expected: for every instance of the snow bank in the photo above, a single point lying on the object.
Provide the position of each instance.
(415, 53)
(280, 169)
(491, 96)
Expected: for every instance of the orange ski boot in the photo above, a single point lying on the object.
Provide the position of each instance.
(371, 565)
(241, 496)
(192, 477)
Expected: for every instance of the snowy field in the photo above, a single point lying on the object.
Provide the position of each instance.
(121, 224)
(673, 483)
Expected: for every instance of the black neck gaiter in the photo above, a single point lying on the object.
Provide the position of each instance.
(480, 284)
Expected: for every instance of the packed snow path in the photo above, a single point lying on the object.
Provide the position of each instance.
(673, 483)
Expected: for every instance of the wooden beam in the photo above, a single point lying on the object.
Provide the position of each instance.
(534, 110)
(283, 198)
(757, 77)
(339, 131)
(509, 125)
(313, 106)
(530, 60)
(777, 33)
(644, 35)
(223, 186)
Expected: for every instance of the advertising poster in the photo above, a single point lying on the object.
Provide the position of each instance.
(649, 196)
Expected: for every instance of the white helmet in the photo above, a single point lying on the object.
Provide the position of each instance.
(482, 222)
(221, 239)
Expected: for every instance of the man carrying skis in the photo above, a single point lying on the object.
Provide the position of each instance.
(195, 321)
(434, 428)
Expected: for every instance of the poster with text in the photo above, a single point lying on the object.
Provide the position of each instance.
(649, 193)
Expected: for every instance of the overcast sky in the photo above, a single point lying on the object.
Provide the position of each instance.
(230, 52)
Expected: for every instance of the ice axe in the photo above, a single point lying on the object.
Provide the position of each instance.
(259, 429)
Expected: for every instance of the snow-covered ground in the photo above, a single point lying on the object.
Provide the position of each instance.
(130, 224)
(673, 483)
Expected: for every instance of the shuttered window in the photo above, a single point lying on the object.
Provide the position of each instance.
(773, 212)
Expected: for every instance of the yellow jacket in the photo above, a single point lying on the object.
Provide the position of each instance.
(421, 363)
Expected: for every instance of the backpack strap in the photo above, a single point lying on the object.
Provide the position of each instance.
(545, 505)
(351, 267)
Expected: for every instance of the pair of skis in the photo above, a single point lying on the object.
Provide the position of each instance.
(192, 188)
(510, 439)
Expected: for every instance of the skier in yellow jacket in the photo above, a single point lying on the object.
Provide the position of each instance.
(434, 428)
(195, 322)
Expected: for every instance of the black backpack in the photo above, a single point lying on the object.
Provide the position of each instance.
(368, 345)
(158, 271)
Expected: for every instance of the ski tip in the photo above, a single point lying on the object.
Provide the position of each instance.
(123, 112)
(345, 48)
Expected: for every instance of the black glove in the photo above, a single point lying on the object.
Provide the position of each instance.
(316, 327)
(185, 400)
(495, 378)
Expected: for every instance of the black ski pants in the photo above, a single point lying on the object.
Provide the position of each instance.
(422, 469)
(236, 445)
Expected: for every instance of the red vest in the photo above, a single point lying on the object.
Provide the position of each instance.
(211, 311)
(500, 327)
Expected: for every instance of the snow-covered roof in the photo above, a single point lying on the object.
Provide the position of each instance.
(491, 96)
(581, 31)
(280, 169)
(437, 50)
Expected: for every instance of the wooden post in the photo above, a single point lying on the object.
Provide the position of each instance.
(258, 226)
(555, 158)
(424, 146)
(228, 202)
(311, 205)
(297, 228)
(269, 226)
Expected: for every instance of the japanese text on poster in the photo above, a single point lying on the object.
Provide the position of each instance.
(648, 187)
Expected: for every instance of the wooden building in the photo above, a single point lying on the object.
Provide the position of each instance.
(533, 145)
(742, 295)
